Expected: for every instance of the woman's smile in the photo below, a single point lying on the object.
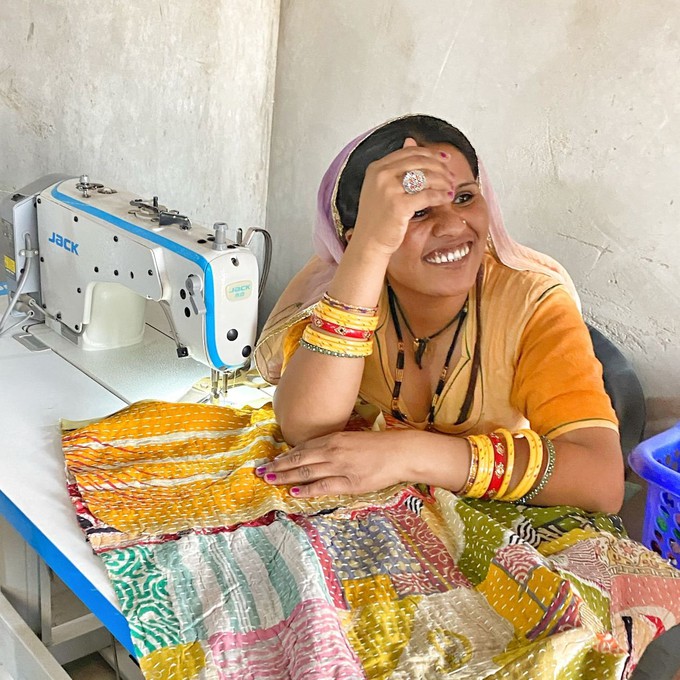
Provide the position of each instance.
(449, 255)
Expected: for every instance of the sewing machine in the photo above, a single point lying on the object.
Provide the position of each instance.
(113, 299)
(88, 258)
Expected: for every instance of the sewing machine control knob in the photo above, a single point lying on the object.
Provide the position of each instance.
(85, 186)
(220, 242)
(194, 287)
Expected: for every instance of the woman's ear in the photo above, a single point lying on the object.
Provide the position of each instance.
(348, 234)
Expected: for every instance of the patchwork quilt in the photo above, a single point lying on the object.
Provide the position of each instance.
(222, 576)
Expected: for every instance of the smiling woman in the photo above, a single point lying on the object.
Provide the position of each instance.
(471, 333)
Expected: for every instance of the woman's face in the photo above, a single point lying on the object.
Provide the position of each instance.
(444, 245)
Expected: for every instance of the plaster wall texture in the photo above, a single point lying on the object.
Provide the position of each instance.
(574, 107)
(166, 98)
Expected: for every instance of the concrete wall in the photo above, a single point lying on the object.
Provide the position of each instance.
(573, 105)
(167, 98)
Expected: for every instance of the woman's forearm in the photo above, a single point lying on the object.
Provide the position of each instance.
(317, 392)
(435, 459)
(588, 469)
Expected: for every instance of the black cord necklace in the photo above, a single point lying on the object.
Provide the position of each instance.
(420, 344)
(419, 349)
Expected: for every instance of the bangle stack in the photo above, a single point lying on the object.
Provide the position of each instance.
(341, 330)
(492, 460)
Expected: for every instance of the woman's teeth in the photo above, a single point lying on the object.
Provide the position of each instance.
(442, 256)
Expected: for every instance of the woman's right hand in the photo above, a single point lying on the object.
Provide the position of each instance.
(385, 208)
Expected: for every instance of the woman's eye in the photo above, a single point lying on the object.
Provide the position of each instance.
(465, 197)
(418, 214)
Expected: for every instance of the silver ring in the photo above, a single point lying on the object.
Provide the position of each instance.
(414, 181)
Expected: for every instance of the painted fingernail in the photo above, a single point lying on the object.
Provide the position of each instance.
(270, 477)
(443, 154)
(294, 490)
(450, 193)
(259, 471)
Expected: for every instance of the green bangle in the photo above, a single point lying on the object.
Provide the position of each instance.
(547, 473)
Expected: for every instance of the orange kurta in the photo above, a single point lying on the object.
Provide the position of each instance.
(538, 367)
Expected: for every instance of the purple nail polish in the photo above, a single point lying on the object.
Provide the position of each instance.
(450, 193)
(295, 490)
(259, 471)
(270, 477)
(443, 154)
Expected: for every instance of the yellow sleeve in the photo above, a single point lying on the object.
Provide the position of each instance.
(558, 380)
(291, 342)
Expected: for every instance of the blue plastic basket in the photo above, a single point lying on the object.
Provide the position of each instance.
(657, 460)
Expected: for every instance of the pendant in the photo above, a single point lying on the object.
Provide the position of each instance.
(419, 347)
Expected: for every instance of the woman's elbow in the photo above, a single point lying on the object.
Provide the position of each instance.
(292, 428)
(615, 503)
(296, 433)
(609, 496)
(597, 468)
(297, 427)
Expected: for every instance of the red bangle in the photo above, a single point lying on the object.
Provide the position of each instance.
(500, 465)
(337, 329)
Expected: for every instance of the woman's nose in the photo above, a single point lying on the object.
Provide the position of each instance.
(449, 222)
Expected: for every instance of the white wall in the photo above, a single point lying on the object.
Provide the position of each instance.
(574, 106)
(168, 98)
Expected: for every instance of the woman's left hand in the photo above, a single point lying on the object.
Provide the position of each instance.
(341, 463)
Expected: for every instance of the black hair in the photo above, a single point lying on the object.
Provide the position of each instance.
(390, 137)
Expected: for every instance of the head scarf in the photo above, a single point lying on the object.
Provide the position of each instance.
(309, 284)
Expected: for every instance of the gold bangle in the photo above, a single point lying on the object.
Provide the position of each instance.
(486, 465)
(474, 466)
(533, 466)
(358, 321)
(364, 323)
(510, 465)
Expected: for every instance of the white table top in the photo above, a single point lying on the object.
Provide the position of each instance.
(37, 389)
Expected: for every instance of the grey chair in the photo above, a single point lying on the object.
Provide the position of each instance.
(625, 391)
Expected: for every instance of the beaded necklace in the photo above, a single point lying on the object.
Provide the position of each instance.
(399, 372)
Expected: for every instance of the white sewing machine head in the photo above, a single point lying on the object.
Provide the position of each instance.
(104, 253)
